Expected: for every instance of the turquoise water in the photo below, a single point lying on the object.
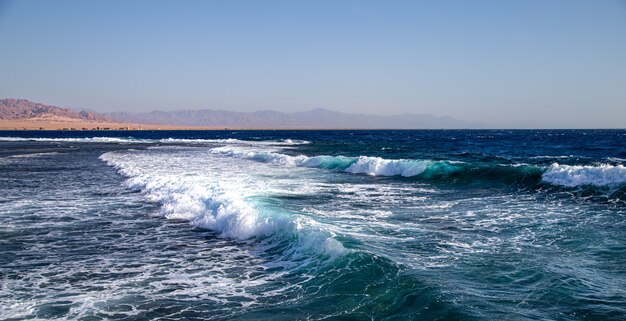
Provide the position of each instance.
(293, 225)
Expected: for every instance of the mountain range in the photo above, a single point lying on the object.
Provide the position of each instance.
(316, 118)
(22, 109)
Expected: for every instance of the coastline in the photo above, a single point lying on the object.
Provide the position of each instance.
(61, 124)
(80, 125)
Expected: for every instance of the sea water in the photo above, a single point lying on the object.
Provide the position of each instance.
(294, 225)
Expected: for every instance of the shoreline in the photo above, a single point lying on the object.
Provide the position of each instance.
(79, 125)
(52, 125)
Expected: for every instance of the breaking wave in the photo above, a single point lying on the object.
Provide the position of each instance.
(374, 166)
(207, 203)
(129, 140)
(572, 176)
(78, 140)
(283, 142)
(430, 170)
(377, 166)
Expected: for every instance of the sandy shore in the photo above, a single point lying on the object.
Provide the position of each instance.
(61, 123)
(47, 124)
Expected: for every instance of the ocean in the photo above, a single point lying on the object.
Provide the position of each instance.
(313, 225)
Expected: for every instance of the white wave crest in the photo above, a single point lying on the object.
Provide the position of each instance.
(124, 140)
(33, 155)
(571, 176)
(203, 205)
(323, 161)
(377, 166)
(78, 140)
(234, 141)
(374, 166)
(218, 202)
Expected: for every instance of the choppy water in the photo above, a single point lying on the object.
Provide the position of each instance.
(284, 225)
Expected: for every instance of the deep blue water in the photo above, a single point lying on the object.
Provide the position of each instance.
(288, 225)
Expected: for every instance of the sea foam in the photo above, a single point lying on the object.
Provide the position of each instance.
(571, 176)
(212, 196)
(377, 166)
(126, 140)
(78, 140)
(374, 166)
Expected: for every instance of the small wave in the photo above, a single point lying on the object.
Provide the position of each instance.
(551, 157)
(78, 140)
(293, 142)
(33, 155)
(572, 176)
(124, 140)
(377, 166)
(327, 162)
(284, 142)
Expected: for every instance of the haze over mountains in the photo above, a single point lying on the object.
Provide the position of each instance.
(22, 109)
(316, 118)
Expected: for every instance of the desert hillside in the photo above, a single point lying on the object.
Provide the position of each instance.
(22, 109)
(21, 114)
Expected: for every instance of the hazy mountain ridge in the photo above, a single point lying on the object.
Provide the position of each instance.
(316, 118)
(22, 109)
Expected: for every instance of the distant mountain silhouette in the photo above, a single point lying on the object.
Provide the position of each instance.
(22, 109)
(316, 118)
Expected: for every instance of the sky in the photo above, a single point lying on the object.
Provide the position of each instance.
(558, 63)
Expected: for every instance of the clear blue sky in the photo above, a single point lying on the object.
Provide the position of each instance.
(492, 61)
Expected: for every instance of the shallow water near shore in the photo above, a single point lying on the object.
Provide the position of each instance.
(288, 225)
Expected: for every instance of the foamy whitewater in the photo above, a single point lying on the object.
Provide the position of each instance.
(600, 175)
(564, 175)
(216, 202)
(312, 225)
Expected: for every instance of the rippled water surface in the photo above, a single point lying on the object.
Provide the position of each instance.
(339, 225)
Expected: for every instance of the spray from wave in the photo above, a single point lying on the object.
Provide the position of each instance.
(117, 140)
(572, 176)
(223, 206)
(374, 166)
(429, 170)
(558, 175)
(128, 140)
